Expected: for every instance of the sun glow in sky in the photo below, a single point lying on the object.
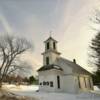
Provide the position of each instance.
(69, 20)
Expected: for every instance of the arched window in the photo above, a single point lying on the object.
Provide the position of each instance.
(58, 81)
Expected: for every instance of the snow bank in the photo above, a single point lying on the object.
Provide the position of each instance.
(31, 92)
(21, 87)
(96, 88)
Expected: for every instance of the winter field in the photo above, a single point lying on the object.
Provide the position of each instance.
(30, 91)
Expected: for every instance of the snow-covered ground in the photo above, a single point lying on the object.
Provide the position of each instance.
(96, 88)
(31, 92)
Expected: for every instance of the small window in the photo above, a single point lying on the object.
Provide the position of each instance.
(54, 45)
(40, 83)
(48, 46)
(47, 60)
(47, 83)
(51, 84)
(44, 83)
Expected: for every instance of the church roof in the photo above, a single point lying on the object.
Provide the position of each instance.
(76, 68)
(50, 38)
(49, 67)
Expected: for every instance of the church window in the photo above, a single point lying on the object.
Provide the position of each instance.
(85, 82)
(48, 46)
(47, 60)
(58, 82)
(47, 83)
(79, 82)
(44, 83)
(54, 45)
(51, 84)
(90, 82)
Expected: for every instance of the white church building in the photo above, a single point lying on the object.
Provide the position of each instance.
(61, 75)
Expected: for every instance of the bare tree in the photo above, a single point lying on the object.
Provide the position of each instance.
(11, 48)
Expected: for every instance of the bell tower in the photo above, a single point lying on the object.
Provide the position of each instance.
(50, 54)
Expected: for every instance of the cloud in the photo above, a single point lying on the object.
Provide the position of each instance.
(76, 31)
(68, 19)
(5, 24)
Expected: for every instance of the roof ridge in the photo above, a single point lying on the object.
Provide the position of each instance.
(69, 62)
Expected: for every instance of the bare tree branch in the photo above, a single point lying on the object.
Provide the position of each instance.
(10, 48)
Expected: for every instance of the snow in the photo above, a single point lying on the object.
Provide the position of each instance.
(96, 88)
(21, 87)
(31, 92)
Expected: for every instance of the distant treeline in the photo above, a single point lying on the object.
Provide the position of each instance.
(21, 80)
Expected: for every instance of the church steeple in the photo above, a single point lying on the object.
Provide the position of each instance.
(51, 53)
(50, 44)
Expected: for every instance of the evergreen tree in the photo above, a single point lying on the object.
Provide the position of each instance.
(95, 47)
(32, 79)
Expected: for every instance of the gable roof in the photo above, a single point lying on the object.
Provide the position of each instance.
(76, 68)
(50, 38)
(49, 67)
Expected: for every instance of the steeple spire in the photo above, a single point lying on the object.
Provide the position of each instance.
(51, 33)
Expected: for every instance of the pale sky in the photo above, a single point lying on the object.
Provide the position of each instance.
(69, 20)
